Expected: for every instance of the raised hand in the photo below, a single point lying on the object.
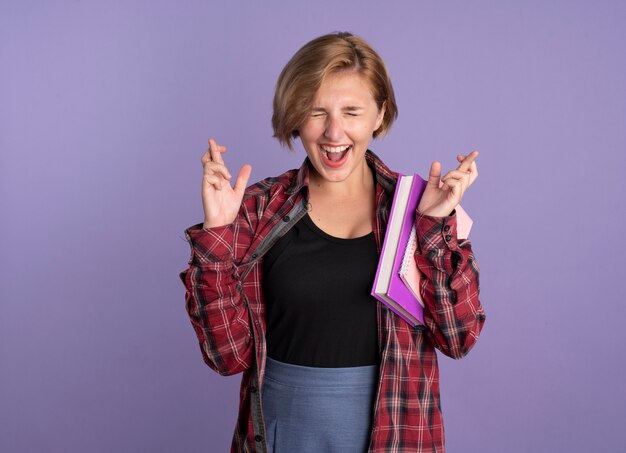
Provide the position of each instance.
(220, 201)
(442, 195)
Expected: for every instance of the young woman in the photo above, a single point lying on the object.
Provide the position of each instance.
(278, 285)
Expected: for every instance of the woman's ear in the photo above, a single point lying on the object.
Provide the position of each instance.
(381, 116)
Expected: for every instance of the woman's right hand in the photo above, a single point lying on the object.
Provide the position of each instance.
(220, 201)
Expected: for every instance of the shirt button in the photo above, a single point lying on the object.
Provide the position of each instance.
(253, 389)
(254, 255)
(286, 218)
(239, 287)
(448, 238)
(446, 228)
(258, 438)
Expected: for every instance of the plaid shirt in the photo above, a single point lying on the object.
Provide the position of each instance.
(225, 302)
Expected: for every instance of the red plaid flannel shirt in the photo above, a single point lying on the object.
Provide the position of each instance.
(224, 300)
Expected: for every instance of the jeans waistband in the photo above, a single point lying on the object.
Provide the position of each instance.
(310, 377)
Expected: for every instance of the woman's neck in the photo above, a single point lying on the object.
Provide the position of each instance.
(357, 186)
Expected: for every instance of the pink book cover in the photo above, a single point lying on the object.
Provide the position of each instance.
(398, 290)
(409, 273)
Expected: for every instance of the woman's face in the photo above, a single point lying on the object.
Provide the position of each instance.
(340, 126)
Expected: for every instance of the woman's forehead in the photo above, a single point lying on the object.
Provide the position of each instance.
(344, 87)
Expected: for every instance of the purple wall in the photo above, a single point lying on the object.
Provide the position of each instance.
(105, 108)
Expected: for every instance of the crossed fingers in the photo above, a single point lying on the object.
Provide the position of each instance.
(459, 179)
(215, 172)
(468, 165)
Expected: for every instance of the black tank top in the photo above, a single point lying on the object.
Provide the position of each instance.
(319, 310)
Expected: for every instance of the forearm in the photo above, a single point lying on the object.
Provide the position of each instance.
(453, 315)
(215, 302)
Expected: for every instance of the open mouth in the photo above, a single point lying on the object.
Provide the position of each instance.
(335, 155)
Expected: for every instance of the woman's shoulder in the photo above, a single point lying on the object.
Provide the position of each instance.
(268, 194)
(266, 187)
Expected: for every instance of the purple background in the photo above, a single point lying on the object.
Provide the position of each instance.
(105, 109)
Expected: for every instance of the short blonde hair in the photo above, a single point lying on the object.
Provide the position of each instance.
(304, 73)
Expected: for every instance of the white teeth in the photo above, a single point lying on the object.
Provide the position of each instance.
(335, 149)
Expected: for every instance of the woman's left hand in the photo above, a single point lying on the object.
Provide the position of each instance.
(439, 200)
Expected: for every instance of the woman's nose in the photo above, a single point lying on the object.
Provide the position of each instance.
(333, 131)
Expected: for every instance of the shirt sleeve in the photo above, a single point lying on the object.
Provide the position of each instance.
(215, 300)
(453, 314)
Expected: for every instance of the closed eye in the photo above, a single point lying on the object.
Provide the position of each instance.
(353, 110)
